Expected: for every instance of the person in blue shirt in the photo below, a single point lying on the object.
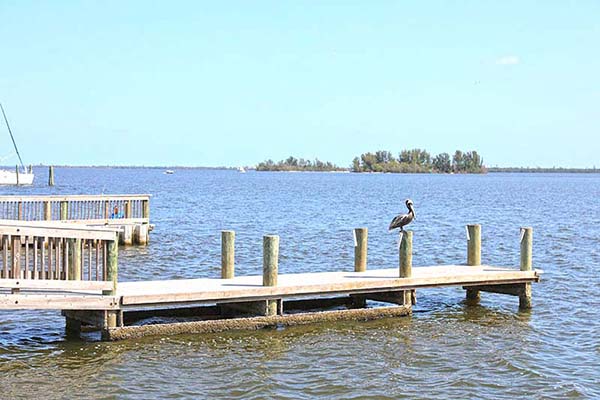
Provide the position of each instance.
(116, 213)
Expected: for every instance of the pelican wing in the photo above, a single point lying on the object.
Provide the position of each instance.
(400, 220)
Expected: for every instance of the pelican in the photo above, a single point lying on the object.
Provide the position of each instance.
(401, 220)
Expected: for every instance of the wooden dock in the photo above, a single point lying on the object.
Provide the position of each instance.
(129, 213)
(233, 302)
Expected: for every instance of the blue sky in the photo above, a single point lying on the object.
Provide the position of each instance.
(233, 83)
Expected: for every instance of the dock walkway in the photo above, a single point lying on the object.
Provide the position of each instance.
(75, 270)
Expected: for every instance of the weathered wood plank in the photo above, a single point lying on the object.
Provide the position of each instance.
(57, 302)
(76, 197)
(68, 231)
(37, 284)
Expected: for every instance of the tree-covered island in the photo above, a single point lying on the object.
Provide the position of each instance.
(298, 164)
(419, 161)
(407, 161)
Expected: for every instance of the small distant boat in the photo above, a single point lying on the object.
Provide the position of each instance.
(16, 177)
(242, 170)
(169, 172)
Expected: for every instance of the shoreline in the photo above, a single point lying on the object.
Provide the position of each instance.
(491, 170)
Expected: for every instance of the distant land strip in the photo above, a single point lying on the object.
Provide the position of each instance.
(592, 170)
(324, 167)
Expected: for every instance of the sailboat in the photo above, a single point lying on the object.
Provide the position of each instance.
(16, 177)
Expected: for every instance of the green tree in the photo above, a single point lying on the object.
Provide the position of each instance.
(442, 163)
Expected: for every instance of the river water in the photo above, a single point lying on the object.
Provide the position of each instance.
(446, 349)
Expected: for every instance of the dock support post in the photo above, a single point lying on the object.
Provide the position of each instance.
(112, 272)
(406, 262)
(227, 254)
(64, 210)
(360, 249)
(270, 268)
(526, 265)
(72, 327)
(51, 176)
(473, 257)
(17, 172)
(75, 260)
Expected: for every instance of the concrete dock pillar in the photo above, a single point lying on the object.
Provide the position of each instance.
(126, 235)
(270, 268)
(360, 249)
(473, 257)
(140, 234)
(227, 254)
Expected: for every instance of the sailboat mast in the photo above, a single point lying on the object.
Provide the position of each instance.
(11, 136)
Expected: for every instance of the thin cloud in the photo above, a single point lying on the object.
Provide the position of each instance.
(508, 60)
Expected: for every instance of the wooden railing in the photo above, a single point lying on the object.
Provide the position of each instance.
(76, 207)
(59, 253)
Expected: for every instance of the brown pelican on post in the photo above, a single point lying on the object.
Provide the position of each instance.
(401, 220)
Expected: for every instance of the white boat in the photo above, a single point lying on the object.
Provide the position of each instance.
(16, 177)
(169, 172)
(241, 169)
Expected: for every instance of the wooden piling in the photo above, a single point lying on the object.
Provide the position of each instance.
(360, 249)
(474, 244)
(227, 254)
(473, 257)
(75, 259)
(112, 271)
(64, 210)
(270, 268)
(526, 265)
(406, 254)
(17, 172)
(405, 259)
(112, 268)
(51, 176)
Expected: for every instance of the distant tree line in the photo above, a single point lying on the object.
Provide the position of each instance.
(419, 161)
(298, 164)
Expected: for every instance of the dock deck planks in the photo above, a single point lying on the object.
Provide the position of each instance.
(245, 288)
(138, 294)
